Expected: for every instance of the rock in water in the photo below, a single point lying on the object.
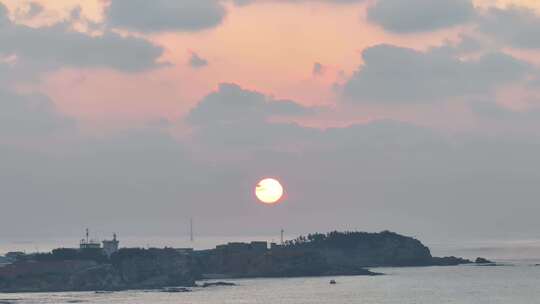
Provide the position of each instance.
(483, 261)
(213, 284)
(176, 289)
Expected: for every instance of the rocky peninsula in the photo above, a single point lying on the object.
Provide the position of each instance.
(334, 253)
(72, 270)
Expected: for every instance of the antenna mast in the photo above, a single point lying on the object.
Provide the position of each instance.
(191, 230)
(282, 231)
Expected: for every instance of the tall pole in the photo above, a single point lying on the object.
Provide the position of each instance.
(87, 236)
(191, 229)
(282, 236)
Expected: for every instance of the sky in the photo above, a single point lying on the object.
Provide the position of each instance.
(133, 116)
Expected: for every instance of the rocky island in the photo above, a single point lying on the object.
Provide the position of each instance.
(91, 270)
(334, 253)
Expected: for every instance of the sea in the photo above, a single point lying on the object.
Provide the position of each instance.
(515, 281)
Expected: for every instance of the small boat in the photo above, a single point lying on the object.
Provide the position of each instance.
(332, 282)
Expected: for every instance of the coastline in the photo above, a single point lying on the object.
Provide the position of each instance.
(315, 255)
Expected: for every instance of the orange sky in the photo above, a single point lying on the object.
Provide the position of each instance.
(268, 47)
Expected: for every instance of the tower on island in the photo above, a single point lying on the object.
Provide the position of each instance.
(110, 246)
(191, 238)
(88, 243)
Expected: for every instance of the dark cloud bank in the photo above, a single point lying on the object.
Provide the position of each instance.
(381, 175)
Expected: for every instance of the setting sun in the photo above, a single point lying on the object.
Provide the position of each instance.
(269, 191)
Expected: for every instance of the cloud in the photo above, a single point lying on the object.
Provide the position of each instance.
(528, 120)
(232, 116)
(59, 46)
(374, 176)
(164, 15)
(383, 175)
(516, 26)
(197, 61)
(393, 74)
(5, 72)
(4, 17)
(32, 10)
(380, 175)
(412, 16)
(23, 116)
(232, 104)
(60, 183)
(28, 117)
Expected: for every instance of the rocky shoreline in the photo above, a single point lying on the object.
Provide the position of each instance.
(331, 254)
(130, 269)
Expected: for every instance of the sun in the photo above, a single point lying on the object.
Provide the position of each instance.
(269, 191)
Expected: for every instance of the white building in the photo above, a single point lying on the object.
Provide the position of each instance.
(110, 246)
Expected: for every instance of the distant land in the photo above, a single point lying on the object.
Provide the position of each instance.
(93, 268)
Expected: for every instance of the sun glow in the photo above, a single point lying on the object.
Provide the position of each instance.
(269, 191)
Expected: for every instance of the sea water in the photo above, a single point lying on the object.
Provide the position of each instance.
(518, 282)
